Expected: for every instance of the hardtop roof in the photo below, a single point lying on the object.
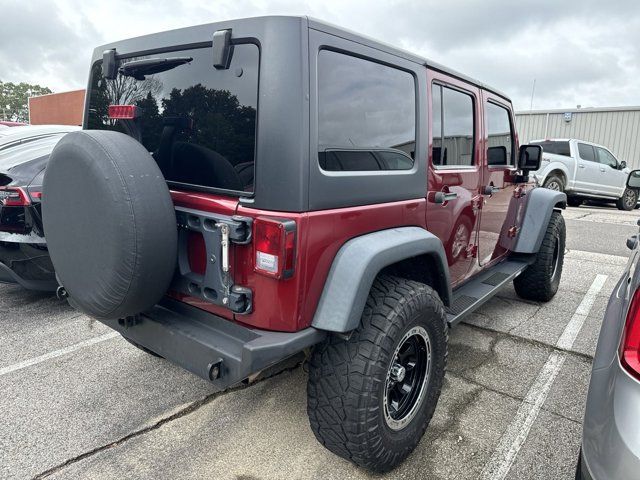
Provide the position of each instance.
(312, 23)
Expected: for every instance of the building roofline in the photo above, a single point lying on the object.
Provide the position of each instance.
(579, 110)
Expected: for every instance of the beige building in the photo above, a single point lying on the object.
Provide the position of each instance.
(617, 128)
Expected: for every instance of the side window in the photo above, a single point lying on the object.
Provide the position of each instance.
(586, 152)
(500, 147)
(453, 134)
(605, 157)
(366, 115)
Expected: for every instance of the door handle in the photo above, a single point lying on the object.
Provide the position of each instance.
(490, 190)
(581, 165)
(602, 169)
(442, 197)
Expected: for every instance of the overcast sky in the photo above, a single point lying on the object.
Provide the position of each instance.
(584, 52)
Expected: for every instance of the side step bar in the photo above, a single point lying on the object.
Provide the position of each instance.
(474, 293)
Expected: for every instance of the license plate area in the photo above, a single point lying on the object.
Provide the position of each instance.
(213, 283)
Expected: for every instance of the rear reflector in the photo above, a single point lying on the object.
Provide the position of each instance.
(630, 346)
(13, 197)
(275, 247)
(123, 112)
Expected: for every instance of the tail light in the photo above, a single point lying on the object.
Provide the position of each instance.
(274, 244)
(630, 346)
(13, 197)
(123, 112)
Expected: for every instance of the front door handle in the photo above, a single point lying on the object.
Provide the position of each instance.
(602, 169)
(581, 165)
(443, 197)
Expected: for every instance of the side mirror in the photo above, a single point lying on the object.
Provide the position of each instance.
(622, 165)
(529, 157)
(633, 181)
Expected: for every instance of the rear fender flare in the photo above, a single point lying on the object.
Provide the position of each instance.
(360, 260)
(540, 205)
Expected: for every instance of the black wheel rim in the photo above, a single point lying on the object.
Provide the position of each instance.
(407, 378)
(630, 198)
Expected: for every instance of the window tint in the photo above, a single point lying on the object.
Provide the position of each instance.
(586, 152)
(500, 148)
(606, 158)
(554, 147)
(453, 137)
(199, 123)
(366, 115)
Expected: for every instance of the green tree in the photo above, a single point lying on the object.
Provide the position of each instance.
(14, 100)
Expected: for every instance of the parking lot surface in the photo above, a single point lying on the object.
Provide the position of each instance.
(79, 402)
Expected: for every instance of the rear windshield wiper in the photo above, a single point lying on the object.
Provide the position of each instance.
(148, 66)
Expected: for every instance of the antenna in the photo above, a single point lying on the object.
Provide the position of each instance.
(533, 91)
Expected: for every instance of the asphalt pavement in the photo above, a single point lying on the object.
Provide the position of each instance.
(77, 401)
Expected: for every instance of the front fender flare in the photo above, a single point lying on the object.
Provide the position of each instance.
(540, 205)
(357, 264)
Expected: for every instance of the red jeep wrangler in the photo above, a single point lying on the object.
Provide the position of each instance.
(248, 190)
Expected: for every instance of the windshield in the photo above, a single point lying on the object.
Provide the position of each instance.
(199, 123)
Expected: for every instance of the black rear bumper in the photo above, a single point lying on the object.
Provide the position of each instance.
(213, 348)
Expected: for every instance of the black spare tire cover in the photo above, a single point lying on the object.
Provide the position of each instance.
(109, 223)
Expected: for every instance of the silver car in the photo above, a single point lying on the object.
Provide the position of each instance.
(611, 431)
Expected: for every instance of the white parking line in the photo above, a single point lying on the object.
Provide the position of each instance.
(57, 353)
(518, 430)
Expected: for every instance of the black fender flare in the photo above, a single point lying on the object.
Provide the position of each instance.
(357, 264)
(540, 204)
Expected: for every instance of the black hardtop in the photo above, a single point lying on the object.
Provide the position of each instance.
(201, 34)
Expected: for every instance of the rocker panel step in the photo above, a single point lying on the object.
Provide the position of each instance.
(477, 291)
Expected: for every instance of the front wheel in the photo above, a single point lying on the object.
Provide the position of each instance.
(628, 201)
(541, 279)
(554, 182)
(371, 396)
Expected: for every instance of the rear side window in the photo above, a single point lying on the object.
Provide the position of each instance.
(366, 115)
(199, 123)
(586, 152)
(453, 131)
(555, 147)
(500, 148)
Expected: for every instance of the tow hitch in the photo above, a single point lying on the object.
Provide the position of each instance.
(216, 284)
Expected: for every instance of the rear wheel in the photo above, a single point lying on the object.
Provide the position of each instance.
(554, 182)
(629, 200)
(541, 279)
(371, 397)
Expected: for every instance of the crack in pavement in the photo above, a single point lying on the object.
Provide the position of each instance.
(190, 408)
(531, 341)
(509, 395)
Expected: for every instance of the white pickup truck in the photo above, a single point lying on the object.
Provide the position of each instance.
(584, 170)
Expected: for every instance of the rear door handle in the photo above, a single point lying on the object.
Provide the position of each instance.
(581, 165)
(442, 197)
(602, 169)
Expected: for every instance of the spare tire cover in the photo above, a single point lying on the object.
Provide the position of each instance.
(109, 223)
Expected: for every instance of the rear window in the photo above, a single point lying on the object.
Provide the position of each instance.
(199, 123)
(366, 115)
(557, 148)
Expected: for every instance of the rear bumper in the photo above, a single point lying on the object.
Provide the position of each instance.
(212, 347)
